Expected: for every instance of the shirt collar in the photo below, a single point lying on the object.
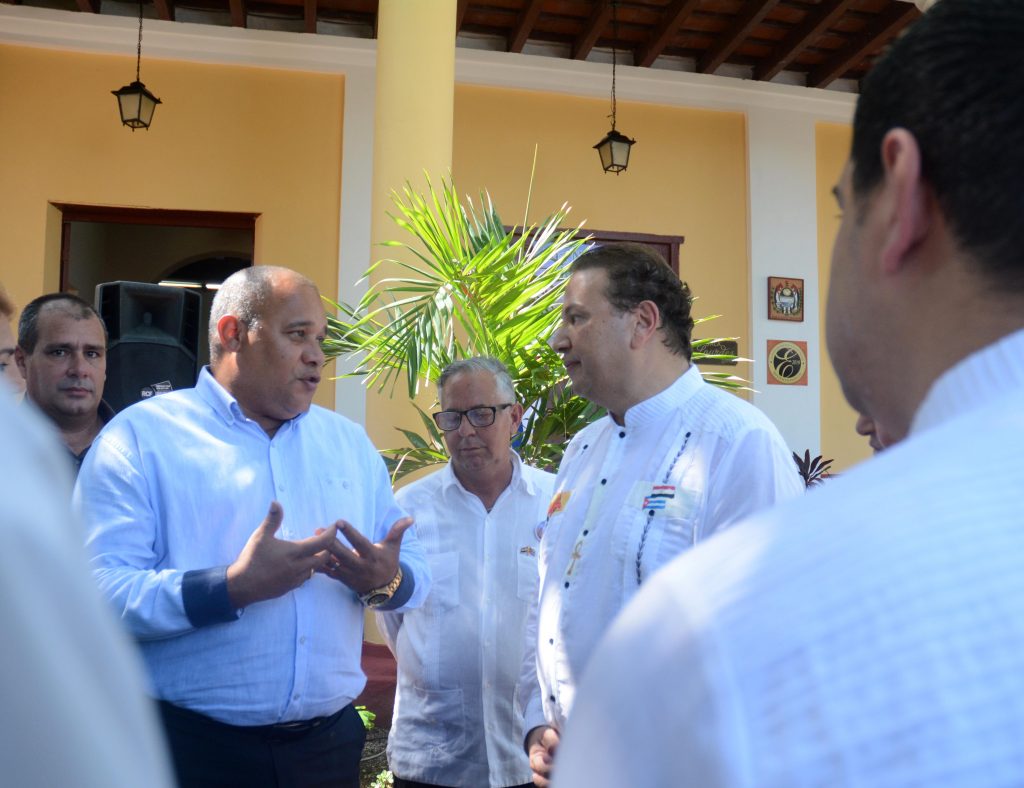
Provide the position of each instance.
(224, 403)
(655, 409)
(974, 381)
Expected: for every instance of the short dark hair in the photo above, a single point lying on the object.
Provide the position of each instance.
(28, 324)
(637, 273)
(955, 81)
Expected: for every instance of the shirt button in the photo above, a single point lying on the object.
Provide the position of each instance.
(551, 641)
(566, 583)
(551, 698)
(604, 481)
(586, 531)
(622, 434)
(296, 696)
(302, 640)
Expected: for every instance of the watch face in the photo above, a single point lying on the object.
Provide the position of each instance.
(377, 599)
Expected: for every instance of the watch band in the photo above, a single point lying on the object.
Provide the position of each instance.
(376, 597)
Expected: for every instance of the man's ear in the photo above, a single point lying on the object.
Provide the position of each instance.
(19, 359)
(230, 332)
(906, 201)
(517, 417)
(646, 321)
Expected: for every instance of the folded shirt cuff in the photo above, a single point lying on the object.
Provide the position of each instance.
(204, 593)
(404, 591)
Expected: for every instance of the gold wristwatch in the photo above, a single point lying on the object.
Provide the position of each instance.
(376, 597)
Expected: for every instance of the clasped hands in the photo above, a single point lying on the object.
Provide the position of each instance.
(269, 567)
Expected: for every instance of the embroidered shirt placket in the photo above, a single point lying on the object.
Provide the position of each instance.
(612, 460)
(651, 512)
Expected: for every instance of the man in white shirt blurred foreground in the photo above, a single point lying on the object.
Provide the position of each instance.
(873, 632)
(75, 711)
(459, 655)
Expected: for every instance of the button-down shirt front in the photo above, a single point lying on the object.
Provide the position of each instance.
(179, 483)
(685, 463)
(459, 656)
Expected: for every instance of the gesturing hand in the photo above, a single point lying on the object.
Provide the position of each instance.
(269, 567)
(366, 565)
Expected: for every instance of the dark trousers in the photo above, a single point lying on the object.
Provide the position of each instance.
(400, 783)
(321, 753)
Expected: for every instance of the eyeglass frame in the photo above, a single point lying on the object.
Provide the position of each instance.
(464, 414)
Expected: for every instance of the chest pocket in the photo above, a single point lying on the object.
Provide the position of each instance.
(672, 530)
(444, 589)
(526, 575)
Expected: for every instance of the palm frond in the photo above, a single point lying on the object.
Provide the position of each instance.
(467, 286)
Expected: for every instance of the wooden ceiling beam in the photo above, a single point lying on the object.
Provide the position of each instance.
(164, 9)
(237, 8)
(805, 34)
(526, 22)
(592, 31)
(309, 15)
(889, 23)
(734, 35)
(665, 31)
(460, 14)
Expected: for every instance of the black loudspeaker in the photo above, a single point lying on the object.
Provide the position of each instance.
(154, 339)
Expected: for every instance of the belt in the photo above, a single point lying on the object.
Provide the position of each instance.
(296, 728)
(300, 726)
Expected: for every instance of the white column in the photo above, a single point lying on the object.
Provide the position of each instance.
(784, 242)
(355, 253)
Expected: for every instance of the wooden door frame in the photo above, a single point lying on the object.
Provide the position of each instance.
(158, 217)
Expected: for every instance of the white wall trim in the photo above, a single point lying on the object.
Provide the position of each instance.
(651, 85)
(77, 31)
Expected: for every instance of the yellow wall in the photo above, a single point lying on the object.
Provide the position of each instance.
(838, 438)
(225, 139)
(687, 176)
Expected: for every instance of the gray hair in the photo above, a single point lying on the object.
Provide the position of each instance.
(479, 364)
(244, 295)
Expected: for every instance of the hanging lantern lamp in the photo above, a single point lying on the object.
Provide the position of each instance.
(134, 101)
(614, 147)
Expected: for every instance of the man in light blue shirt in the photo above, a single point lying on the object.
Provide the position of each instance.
(252, 637)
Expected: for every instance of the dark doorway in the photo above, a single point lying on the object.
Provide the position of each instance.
(194, 249)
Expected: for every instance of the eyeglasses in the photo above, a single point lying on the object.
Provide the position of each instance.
(483, 416)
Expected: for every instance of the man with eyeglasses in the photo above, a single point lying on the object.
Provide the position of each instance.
(459, 655)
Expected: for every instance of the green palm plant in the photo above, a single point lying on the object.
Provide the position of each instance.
(470, 287)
